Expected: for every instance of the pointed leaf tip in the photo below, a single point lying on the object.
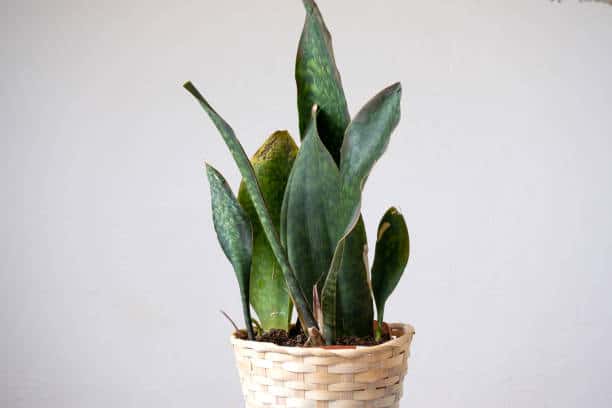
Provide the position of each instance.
(368, 135)
(309, 5)
(211, 171)
(394, 90)
(396, 87)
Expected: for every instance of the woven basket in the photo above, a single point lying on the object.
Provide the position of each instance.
(357, 377)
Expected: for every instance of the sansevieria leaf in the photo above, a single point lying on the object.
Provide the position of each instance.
(269, 296)
(303, 307)
(318, 82)
(314, 225)
(311, 218)
(365, 141)
(367, 138)
(345, 298)
(235, 235)
(354, 310)
(390, 258)
(329, 297)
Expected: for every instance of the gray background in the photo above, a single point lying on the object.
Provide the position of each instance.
(111, 276)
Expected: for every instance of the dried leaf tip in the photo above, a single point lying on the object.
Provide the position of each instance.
(189, 86)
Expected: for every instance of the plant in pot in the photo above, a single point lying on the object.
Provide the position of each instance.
(296, 239)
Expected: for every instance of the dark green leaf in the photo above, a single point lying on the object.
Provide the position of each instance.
(329, 295)
(368, 135)
(272, 164)
(366, 140)
(354, 312)
(235, 235)
(311, 219)
(390, 258)
(318, 82)
(346, 299)
(314, 218)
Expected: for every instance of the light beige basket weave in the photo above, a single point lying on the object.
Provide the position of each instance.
(277, 377)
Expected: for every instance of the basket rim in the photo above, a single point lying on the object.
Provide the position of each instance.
(402, 332)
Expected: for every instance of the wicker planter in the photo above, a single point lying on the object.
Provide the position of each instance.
(276, 376)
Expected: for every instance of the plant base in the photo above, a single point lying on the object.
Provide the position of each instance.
(339, 377)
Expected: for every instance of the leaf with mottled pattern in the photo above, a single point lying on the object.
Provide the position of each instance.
(272, 164)
(235, 235)
(318, 82)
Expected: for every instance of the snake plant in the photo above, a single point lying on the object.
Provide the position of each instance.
(295, 235)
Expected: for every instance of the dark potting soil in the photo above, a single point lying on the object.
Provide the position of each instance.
(296, 338)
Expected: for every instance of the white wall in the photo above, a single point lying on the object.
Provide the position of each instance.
(111, 276)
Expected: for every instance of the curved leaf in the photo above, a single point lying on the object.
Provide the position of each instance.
(318, 82)
(235, 236)
(272, 164)
(242, 161)
(367, 137)
(390, 258)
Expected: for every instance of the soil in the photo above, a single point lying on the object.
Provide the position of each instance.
(297, 338)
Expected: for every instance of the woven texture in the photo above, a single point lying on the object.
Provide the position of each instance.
(361, 377)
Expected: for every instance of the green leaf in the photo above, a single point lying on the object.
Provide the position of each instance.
(354, 311)
(235, 236)
(367, 137)
(272, 164)
(346, 299)
(390, 258)
(242, 161)
(311, 218)
(318, 82)
(326, 250)
(366, 140)
(329, 296)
